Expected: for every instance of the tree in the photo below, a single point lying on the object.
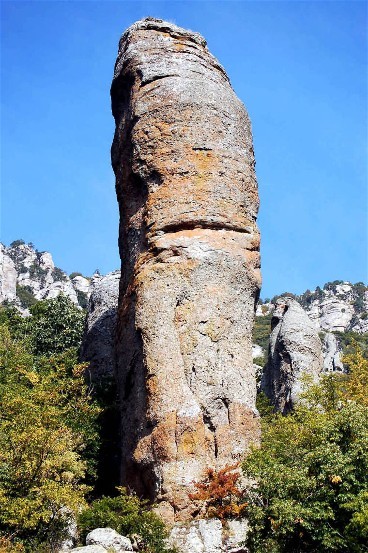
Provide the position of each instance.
(309, 490)
(47, 420)
(57, 324)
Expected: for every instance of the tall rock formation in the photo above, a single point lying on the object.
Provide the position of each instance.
(295, 351)
(98, 345)
(189, 245)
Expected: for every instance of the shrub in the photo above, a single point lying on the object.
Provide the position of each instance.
(310, 475)
(57, 324)
(17, 243)
(25, 296)
(220, 493)
(58, 274)
(129, 516)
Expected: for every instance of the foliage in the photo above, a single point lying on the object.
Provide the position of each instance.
(75, 274)
(25, 296)
(47, 422)
(261, 331)
(82, 299)
(220, 493)
(37, 272)
(17, 243)
(57, 324)
(349, 340)
(58, 274)
(310, 475)
(128, 515)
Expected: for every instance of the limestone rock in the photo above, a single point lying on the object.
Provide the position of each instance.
(8, 276)
(295, 351)
(24, 266)
(210, 536)
(109, 538)
(98, 345)
(189, 245)
(331, 353)
(89, 549)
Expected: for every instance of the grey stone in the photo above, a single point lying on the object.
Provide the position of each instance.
(189, 245)
(109, 538)
(98, 345)
(295, 352)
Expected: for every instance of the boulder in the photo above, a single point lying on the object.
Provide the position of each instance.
(189, 245)
(109, 538)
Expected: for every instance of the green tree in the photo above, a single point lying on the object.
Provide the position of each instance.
(57, 324)
(309, 490)
(47, 421)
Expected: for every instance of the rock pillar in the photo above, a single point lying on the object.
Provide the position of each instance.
(189, 245)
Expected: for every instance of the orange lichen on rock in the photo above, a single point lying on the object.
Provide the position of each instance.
(189, 245)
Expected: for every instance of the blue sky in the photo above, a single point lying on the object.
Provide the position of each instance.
(299, 67)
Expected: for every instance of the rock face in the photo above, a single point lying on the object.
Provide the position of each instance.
(295, 351)
(210, 536)
(98, 345)
(331, 353)
(189, 245)
(27, 274)
(8, 277)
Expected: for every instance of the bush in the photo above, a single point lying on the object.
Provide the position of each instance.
(25, 296)
(17, 243)
(57, 324)
(220, 493)
(310, 475)
(129, 516)
(47, 424)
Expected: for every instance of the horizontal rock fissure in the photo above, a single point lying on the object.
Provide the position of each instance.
(193, 225)
(202, 149)
(156, 78)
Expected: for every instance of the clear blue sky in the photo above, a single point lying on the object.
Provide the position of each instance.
(299, 67)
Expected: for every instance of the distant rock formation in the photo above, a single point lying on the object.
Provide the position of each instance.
(189, 245)
(337, 307)
(27, 275)
(295, 352)
(98, 346)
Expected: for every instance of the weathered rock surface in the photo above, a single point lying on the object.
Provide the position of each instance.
(189, 245)
(331, 353)
(98, 346)
(24, 269)
(295, 351)
(109, 538)
(8, 277)
(89, 549)
(210, 536)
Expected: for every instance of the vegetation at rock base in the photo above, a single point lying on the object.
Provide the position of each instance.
(129, 516)
(49, 437)
(25, 296)
(310, 475)
(261, 332)
(220, 493)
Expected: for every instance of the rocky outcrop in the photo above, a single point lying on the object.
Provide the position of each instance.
(98, 345)
(27, 275)
(210, 536)
(189, 245)
(295, 352)
(8, 277)
(332, 353)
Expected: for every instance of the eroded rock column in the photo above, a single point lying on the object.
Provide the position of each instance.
(189, 245)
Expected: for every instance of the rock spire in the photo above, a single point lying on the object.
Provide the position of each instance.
(189, 245)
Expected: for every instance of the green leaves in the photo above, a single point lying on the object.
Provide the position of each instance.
(310, 484)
